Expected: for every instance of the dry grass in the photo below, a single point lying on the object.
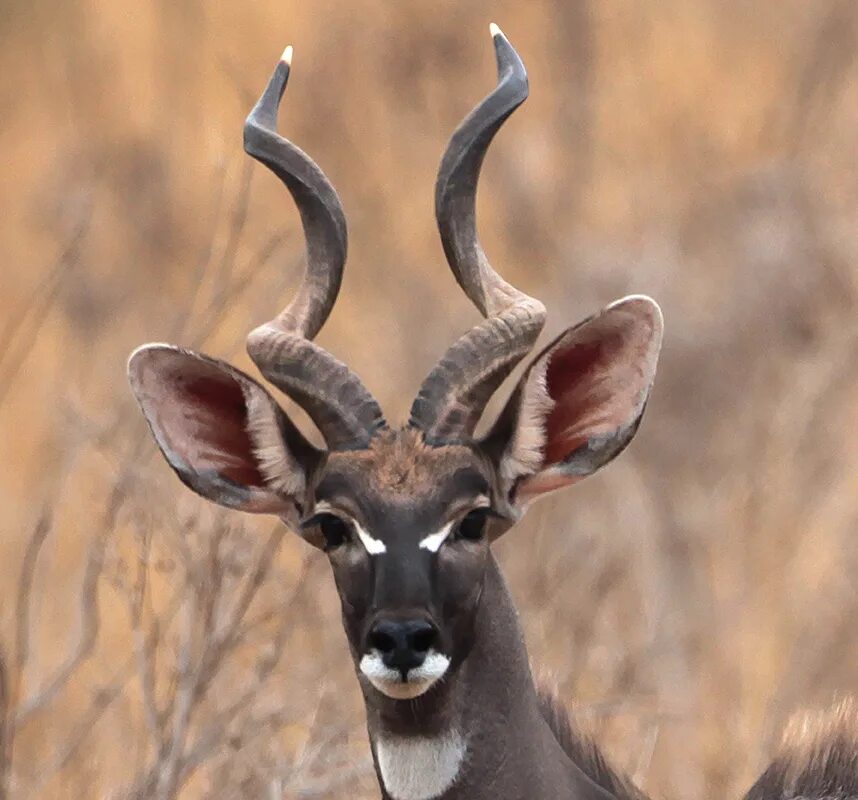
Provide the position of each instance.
(686, 600)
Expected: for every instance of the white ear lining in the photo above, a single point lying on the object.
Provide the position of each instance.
(524, 453)
(638, 320)
(282, 473)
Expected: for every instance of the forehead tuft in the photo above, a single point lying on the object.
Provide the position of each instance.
(400, 462)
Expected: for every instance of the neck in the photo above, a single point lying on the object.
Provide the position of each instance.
(480, 733)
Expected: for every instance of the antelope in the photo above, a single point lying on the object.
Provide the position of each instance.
(407, 515)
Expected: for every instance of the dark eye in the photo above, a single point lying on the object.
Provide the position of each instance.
(335, 531)
(473, 525)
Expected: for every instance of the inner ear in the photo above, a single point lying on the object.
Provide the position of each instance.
(598, 376)
(204, 420)
(223, 434)
(580, 402)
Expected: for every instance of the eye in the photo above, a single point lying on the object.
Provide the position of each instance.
(334, 529)
(473, 525)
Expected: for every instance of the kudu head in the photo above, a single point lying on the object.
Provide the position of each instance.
(406, 516)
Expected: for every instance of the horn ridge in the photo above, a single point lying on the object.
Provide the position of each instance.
(338, 403)
(453, 396)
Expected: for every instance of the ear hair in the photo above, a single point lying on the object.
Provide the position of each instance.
(526, 447)
(580, 402)
(221, 431)
(280, 469)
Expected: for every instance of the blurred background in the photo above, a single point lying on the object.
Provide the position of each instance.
(685, 601)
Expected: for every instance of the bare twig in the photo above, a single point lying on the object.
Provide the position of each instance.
(88, 615)
(13, 682)
(36, 308)
(103, 698)
(5, 725)
(145, 642)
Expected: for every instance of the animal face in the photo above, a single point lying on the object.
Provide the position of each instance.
(407, 529)
(405, 515)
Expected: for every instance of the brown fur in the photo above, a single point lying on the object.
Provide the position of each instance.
(817, 759)
(400, 462)
(584, 751)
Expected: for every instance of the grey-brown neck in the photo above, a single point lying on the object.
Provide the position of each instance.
(407, 517)
(480, 733)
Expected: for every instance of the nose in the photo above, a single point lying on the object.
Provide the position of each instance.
(403, 644)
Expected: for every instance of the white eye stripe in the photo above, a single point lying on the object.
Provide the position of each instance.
(375, 547)
(433, 541)
(372, 545)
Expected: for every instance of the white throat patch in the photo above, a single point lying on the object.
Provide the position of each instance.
(417, 767)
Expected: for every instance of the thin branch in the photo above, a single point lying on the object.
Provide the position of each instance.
(25, 592)
(89, 616)
(170, 762)
(145, 642)
(102, 698)
(5, 725)
(14, 682)
(16, 319)
(181, 321)
(236, 231)
(217, 727)
(36, 308)
(238, 287)
(224, 639)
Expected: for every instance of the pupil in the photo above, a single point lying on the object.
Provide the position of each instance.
(473, 525)
(334, 530)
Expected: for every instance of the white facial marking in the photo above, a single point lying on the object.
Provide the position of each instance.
(389, 681)
(419, 767)
(433, 541)
(373, 546)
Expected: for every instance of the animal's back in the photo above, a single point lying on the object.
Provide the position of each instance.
(817, 759)
(585, 753)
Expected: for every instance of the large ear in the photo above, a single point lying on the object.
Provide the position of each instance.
(222, 433)
(580, 402)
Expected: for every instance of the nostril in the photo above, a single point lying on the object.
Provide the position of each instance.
(403, 644)
(422, 640)
(382, 641)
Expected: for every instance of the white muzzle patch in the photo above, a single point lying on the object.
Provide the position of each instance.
(419, 679)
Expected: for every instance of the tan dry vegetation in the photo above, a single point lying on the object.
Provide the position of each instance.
(685, 601)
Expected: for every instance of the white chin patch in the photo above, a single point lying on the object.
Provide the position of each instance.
(389, 681)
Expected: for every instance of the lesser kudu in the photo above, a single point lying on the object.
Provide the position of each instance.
(407, 515)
